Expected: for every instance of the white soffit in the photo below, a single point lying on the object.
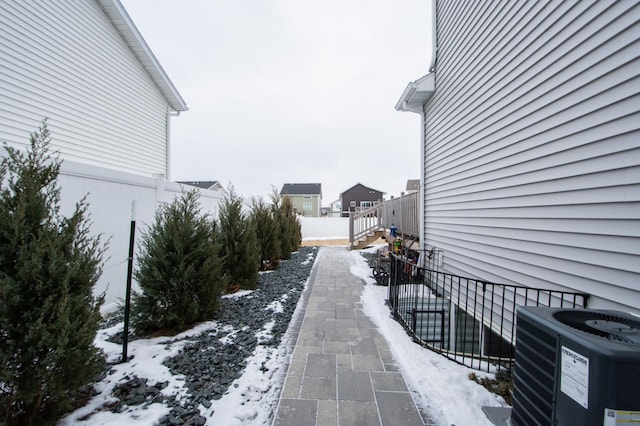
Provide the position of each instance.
(417, 94)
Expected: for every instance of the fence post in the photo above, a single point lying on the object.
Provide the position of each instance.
(132, 238)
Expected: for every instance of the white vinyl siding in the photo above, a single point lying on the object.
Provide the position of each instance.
(64, 60)
(532, 146)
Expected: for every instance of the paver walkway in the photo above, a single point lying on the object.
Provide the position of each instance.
(342, 371)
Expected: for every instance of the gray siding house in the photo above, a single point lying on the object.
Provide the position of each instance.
(84, 65)
(358, 198)
(531, 137)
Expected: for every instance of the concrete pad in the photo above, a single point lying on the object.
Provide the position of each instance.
(384, 381)
(367, 362)
(336, 334)
(295, 412)
(354, 386)
(364, 346)
(318, 388)
(321, 365)
(336, 347)
(291, 388)
(296, 367)
(327, 413)
(343, 361)
(397, 408)
(355, 413)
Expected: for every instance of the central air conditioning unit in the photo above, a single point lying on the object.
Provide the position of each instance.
(576, 367)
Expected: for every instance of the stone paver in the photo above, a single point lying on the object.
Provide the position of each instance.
(342, 371)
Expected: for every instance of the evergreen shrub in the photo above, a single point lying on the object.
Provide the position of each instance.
(49, 265)
(239, 243)
(179, 268)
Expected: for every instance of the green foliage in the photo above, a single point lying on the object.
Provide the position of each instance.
(239, 243)
(49, 265)
(179, 268)
(266, 226)
(289, 229)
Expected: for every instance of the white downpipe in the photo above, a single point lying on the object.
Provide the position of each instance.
(434, 43)
(168, 143)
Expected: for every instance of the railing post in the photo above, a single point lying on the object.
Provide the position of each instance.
(351, 238)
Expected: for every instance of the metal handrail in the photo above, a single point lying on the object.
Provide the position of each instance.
(479, 328)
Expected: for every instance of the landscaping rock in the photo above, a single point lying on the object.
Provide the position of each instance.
(210, 366)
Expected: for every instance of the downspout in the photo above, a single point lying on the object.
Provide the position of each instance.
(170, 114)
(434, 41)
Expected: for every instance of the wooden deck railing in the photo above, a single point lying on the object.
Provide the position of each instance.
(402, 212)
(364, 223)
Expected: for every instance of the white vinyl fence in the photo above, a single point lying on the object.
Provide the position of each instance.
(324, 228)
(110, 195)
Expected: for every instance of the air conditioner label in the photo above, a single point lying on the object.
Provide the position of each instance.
(574, 376)
(620, 417)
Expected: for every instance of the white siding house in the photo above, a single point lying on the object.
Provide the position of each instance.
(531, 133)
(84, 66)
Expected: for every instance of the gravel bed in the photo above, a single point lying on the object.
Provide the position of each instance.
(215, 358)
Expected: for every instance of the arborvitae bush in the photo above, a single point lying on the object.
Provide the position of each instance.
(290, 233)
(49, 265)
(239, 243)
(294, 227)
(179, 268)
(266, 227)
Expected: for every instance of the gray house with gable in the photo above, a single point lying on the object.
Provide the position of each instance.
(530, 118)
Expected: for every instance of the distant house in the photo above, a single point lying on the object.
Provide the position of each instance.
(531, 153)
(413, 185)
(211, 185)
(336, 206)
(358, 198)
(305, 197)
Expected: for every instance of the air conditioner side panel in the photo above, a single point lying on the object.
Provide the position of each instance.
(612, 385)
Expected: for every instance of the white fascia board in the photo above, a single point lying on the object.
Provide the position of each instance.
(416, 94)
(125, 26)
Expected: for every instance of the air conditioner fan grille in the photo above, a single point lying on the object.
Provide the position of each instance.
(602, 324)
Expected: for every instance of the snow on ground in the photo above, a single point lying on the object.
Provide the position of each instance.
(440, 387)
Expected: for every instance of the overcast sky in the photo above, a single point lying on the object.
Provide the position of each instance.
(291, 91)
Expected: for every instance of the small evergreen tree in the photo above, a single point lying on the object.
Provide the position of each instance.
(266, 227)
(179, 268)
(239, 243)
(293, 225)
(289, 229)
(49, 265)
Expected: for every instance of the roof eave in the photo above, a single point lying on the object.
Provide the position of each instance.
(417, 94)
(127, 29)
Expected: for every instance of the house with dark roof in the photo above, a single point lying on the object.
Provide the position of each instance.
(306, 198)
(358, 198)
(413, 185)
(211, 185)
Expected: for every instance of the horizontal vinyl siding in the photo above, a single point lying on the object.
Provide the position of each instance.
(65, 61)
(532, 150)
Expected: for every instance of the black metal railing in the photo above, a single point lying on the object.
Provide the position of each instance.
(469, 321)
